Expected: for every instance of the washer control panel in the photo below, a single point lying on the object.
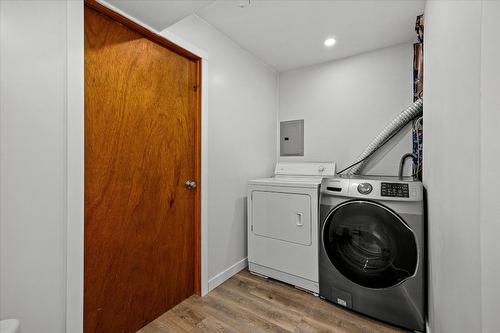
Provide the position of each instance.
(373, 188)
(398, 190)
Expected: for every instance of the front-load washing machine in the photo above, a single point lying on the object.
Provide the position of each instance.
(371, 248)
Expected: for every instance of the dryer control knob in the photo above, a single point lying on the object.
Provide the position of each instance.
(365, 188)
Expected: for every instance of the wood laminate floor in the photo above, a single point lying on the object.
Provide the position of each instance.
(247, 303)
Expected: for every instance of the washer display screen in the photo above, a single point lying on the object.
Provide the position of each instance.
(394, 190)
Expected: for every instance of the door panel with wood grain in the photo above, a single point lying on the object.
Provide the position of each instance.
(141, 130)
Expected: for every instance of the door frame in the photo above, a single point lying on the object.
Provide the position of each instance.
(75, 150)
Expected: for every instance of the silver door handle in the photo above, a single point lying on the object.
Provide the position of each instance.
(190, 184)
(299, 220)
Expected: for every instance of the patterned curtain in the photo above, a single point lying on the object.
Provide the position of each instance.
(418, 90)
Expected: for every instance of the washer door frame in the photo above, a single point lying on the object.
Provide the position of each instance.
(326, 222)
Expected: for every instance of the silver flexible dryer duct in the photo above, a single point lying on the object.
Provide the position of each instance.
(407, 115)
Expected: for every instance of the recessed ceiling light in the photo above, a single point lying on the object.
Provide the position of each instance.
(329, 42)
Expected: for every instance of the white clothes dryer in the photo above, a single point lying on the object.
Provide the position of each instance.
(283, 223)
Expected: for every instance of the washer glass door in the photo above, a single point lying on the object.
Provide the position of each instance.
(370, 244)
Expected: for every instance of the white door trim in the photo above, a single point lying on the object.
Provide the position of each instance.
(75, 166)
(75, 161)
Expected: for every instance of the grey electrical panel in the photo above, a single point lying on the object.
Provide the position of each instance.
(292, 138)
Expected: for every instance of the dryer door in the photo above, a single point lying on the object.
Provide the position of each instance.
(370, 244)
(282, 216)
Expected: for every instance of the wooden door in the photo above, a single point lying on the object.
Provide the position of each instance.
(141, 145)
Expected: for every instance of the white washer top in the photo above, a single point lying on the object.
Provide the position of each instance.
(298, 174)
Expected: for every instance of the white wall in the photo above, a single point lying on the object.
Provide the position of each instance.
(242, 101)
(461, 154)
(33, 164)
(451, 155)
(490, 160)
(346, 103)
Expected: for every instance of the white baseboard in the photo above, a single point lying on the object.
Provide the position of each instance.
(226, 274)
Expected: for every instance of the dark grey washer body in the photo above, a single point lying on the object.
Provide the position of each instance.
(403, 304)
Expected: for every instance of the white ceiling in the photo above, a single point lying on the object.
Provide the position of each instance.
(158, 14)
(288, 34)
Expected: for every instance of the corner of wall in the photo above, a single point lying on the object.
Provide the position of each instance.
(227, 274)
